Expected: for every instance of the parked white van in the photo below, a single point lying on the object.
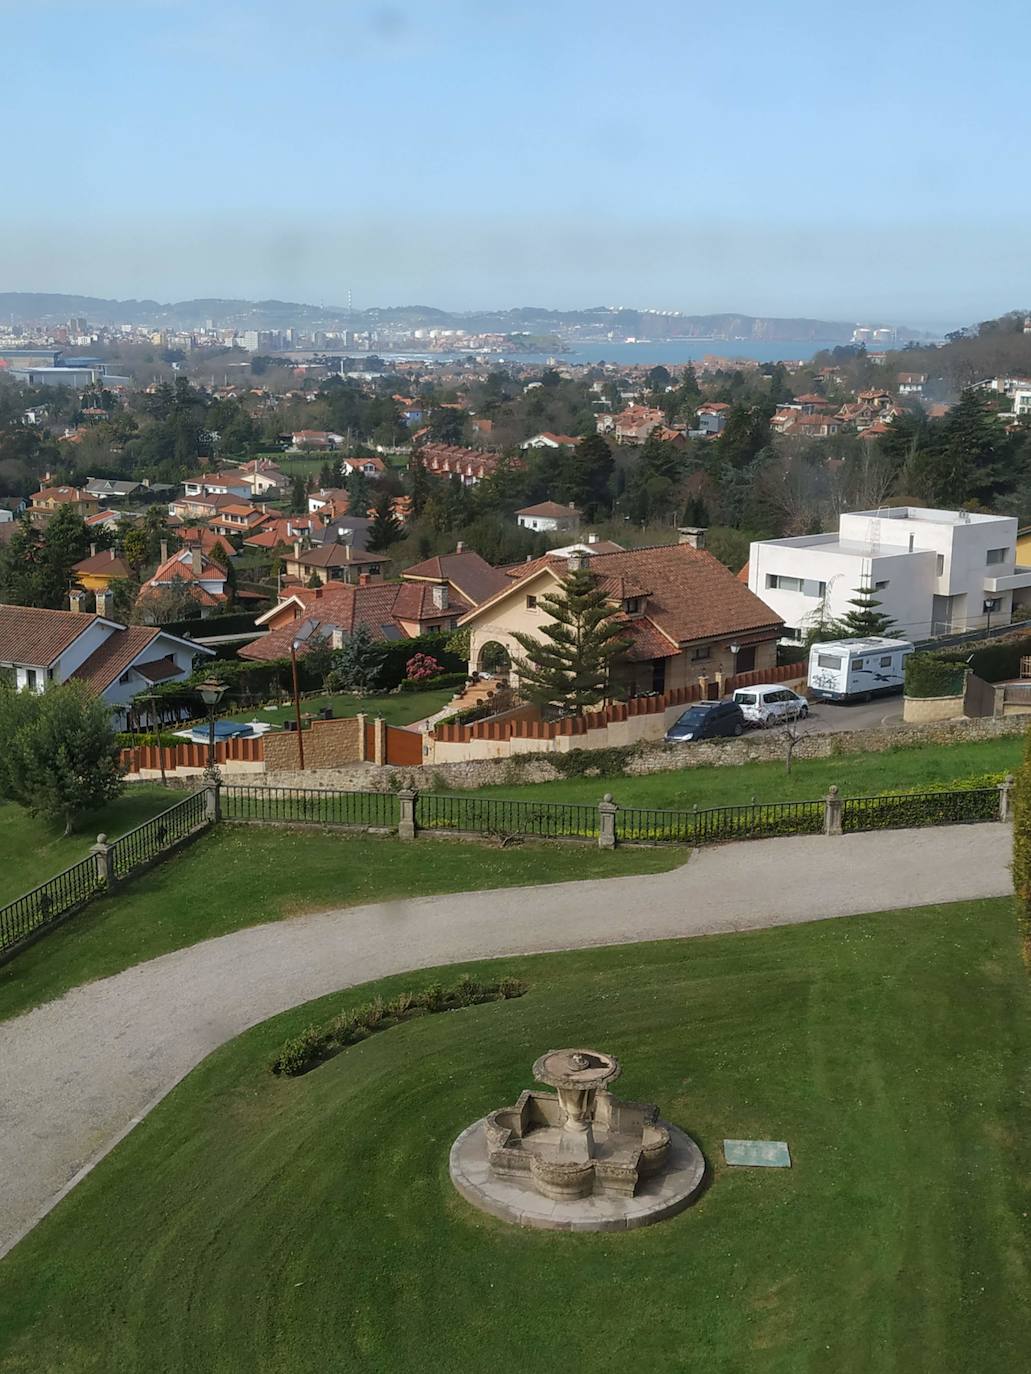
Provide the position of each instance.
(857, 669)
(769, 704)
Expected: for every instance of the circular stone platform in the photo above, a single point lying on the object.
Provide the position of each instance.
(655, 1200)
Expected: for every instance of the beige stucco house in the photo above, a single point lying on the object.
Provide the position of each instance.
(686, 615)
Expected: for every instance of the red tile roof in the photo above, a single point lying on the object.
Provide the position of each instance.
(106, 664)
(105, 563)
(551, 510)
(35, 638)
(466, 571)
(340, 606)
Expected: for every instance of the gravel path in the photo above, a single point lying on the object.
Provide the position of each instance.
(77, 1074)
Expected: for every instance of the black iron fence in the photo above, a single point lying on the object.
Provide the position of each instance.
(375, 810)
(636, 825)
(145, 842)
(45, 905)
(48, 902)
(500, 816)
(957, 806)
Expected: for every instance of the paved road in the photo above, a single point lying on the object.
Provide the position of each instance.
(78, 1073)
(825, 717)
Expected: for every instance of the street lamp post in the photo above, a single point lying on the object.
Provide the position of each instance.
(211, 691)
(297, 703)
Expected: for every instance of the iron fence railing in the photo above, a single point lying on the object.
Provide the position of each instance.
(500, 816)
(48, 902)
(641, 825)
(375, 809)
(145, 842)
(955, 807)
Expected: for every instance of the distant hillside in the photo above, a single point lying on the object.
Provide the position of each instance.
(600, 321)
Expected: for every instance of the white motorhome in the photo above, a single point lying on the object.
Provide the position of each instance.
(857, 669)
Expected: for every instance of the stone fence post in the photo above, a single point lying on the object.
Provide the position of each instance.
(101, 853)
(832, 808)
(406, 826)
(607, 809)
(213, 800)
(379, 740)
(1006, 798)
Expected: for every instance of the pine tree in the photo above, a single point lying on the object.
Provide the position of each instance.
(357, 664)
(866, 621)
(385, 528)
(358, 494)
(570, 666)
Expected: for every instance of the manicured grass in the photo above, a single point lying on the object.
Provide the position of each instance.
(33, 851)
(259, 1224)
(242, 876)
(932, 767)
(401, 708)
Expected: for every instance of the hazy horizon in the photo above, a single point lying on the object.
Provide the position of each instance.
(565, 156)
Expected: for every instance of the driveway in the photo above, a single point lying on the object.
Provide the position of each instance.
(77, 1074)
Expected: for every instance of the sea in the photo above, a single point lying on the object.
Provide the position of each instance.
(648, 353)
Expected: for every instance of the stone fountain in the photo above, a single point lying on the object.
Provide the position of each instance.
(577, 1159)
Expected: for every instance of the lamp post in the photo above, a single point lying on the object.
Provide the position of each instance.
(297, 703)
(991, 603)
(211, 691)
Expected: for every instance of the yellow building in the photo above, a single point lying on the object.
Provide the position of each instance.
(96, 573)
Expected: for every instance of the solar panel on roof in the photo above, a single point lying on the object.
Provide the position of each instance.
(391, 632)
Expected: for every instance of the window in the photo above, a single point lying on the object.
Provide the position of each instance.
(886, 661)
(941, 565)
(632, 605)
(125, 677)
(778, 582)
(880, 586)
(997, 556)
(531, 603)
(821, 589)
(703, 651)
(827, 661)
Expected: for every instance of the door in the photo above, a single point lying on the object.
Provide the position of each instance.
(745, 661)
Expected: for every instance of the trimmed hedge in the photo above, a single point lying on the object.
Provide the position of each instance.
(928, 675)
(318, 1043)
(1021, 799)
(429, 684)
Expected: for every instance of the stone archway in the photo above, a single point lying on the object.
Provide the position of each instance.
(495, 659)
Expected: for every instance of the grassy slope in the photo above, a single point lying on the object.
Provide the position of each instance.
(33, 852)
(854, 774)
(241, 877)
(253, 1224)
(402, 709)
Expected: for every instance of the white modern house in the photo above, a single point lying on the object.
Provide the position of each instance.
(935, 572)
(118, 662)
(548, 517)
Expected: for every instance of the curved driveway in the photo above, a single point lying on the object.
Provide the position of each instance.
(78, 1073)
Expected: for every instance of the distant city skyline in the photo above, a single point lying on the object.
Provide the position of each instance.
(472, 157)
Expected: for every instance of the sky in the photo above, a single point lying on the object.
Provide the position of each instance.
(841, 162)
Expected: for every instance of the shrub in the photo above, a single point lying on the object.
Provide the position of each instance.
(439, 680)
(928, 675)
(316, 1043)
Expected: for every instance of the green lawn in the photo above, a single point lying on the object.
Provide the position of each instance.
(33, 851)
(932, 767)
(241, 876)
(400, 709)
(259, 1224)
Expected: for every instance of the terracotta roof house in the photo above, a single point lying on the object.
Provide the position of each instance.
(232, 483)
(99, 570)
(369, 467)
(50, 499)
(631, 426)
(206, 579)
(549, 517)
(117, 661)
(315, 438)
(466, 573)
(685, 614)
(333, 563)
(390, 610)
(548, 440)
(447, 460)
(285, 530)
(238, 517)
(206, 540)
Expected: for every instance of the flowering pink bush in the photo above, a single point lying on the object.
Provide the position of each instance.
(421, 666)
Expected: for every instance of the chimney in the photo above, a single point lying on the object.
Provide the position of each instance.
(363, 579)
(297, 549)
(592, 539)
(577, 560)
(105, 602)
(692, 535)
(337, 637)
(440, 592)
(164, 550)
(77, 600)
(460, 547)
(196, 562)
(93, 551)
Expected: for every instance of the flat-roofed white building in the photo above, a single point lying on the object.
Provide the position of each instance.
(935, 572)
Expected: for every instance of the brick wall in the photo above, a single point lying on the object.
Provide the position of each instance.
(328, 744)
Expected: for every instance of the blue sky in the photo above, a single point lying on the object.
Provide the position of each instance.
(771, 158)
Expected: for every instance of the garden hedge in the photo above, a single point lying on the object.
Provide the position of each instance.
(929, 675)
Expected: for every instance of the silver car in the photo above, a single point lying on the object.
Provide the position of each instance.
(767, 704)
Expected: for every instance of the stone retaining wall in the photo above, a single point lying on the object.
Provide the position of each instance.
(926, 710)
(755, 747)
